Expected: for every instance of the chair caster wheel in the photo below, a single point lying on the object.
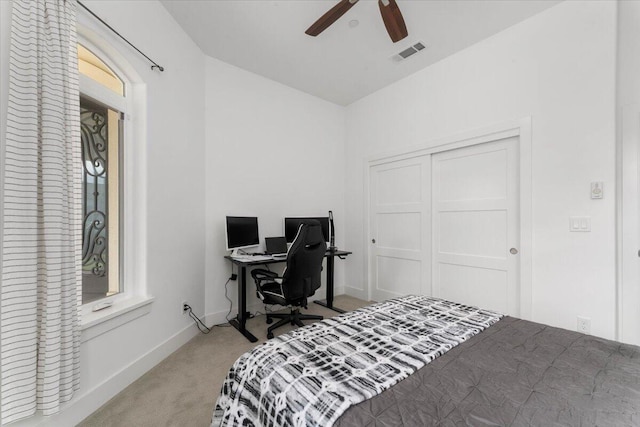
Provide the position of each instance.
(269, 320)
(269, 335)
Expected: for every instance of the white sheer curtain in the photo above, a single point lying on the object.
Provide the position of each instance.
(42, 209)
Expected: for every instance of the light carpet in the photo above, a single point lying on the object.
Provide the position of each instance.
(182, 389)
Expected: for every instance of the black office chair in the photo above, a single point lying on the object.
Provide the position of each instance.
(300, 280)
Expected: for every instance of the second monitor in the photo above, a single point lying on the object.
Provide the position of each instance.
(292, 224)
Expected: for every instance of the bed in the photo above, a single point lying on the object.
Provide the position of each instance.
(420, 361)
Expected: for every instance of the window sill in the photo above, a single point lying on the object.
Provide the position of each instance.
(95, 323)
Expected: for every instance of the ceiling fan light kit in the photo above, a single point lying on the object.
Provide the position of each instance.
(391, 16)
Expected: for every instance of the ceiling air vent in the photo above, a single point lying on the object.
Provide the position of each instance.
(408, 52)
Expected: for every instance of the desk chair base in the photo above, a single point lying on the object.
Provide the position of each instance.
(295, 318)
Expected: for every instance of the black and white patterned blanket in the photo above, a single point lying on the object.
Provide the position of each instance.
(311, 375)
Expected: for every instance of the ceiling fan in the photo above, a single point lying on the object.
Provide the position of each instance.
(391, 16)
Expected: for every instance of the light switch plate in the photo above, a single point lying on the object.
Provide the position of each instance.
(580, 223)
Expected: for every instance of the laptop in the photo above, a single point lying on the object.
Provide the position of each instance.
(276, 246)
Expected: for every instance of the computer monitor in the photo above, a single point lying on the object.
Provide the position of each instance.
(241, 232)
(292, 224)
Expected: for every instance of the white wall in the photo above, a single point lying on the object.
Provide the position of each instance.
(175, 201)
(628, 56)
(559, 68)
(272, 152)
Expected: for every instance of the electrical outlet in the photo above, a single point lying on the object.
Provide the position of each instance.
(183, 307)
(584, 325)
(233, 276)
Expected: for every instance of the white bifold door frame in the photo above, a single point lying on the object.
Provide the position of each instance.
(628, 196)
(401, 223)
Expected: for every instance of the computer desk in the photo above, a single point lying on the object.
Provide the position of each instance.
(240, 321)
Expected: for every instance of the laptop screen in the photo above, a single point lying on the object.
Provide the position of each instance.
(276, 245)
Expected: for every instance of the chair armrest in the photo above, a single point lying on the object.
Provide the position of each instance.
(261, 275)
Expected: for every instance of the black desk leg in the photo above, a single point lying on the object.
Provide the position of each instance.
(241, 319)
(329, 301)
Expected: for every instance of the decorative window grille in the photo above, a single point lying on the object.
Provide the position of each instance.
(101, 178)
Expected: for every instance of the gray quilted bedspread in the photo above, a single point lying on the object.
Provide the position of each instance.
(515, 373)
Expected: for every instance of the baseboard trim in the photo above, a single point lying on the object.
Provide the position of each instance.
(357, 293)
(87, 403)
(219, 317)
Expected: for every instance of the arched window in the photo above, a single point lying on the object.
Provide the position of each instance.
(94, 68)
(102, 108)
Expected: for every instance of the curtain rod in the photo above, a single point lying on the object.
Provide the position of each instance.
(155, 65)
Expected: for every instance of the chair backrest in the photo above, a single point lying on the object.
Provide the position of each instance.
(304, 263)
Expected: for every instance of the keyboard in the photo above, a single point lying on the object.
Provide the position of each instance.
(279, 255)
(249, 258)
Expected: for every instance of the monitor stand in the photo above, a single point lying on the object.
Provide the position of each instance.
(235, 253)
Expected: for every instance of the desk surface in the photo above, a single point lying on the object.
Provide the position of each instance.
(271, 260)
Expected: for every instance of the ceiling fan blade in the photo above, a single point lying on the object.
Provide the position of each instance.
(330, 17)
(393, 20)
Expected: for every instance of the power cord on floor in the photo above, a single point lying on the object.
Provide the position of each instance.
(226, 295)
(199, 323)
(226, 291)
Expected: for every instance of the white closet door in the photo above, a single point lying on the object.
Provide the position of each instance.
(399, 228)
(475, 201)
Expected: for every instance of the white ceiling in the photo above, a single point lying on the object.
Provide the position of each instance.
(342, 64)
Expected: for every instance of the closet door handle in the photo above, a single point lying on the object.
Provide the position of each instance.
(513, 251)
(373, 241)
